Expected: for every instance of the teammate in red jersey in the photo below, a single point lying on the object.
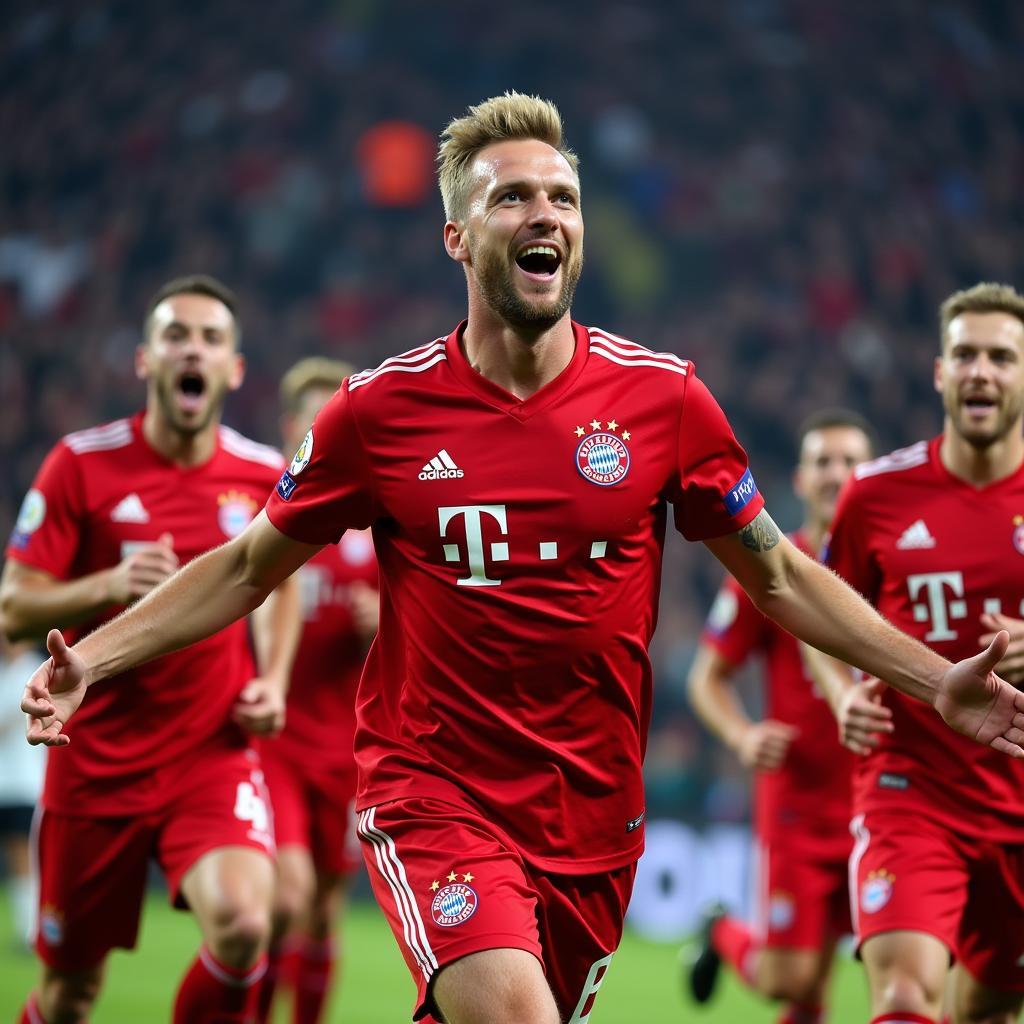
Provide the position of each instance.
(517, 476)
(161, 766)
(933, 535)
(802, 781)
(313, 785)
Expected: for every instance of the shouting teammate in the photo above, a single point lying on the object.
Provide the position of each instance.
(802, 788)
(933, 535)
(517, 475)
(312, 784)
(161, 766)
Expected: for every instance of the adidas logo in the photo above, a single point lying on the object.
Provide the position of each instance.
(916, 536)
(129, 510)
(441, 467)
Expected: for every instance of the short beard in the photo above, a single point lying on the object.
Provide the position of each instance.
(165, 398)
(494, 279)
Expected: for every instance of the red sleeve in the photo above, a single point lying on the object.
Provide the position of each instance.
(327, 487)
(734, 627)
(847, 547)
(712, 490)
(48, 530)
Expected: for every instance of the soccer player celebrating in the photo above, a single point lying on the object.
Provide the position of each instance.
(933, 536)
(517, 475)
(161, 765)
(802, 794)
(312, 785)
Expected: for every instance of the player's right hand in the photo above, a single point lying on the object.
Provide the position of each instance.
(862, 716)
(764, 745)
(143, 569)
(54, 693)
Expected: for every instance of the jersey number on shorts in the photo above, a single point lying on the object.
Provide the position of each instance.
(249, 806)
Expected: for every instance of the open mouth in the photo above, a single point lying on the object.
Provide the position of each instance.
(540, 261)
(978, 405)
(191, 388)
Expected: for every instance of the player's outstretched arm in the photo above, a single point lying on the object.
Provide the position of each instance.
(817, 607)
(205, 596)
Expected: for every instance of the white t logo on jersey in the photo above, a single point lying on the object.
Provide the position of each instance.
(935, 609)
(473, 515)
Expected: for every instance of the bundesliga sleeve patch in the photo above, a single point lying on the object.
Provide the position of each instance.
(741, 494)
(30, 518)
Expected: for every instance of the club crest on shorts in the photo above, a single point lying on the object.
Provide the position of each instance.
(51, 925)
(1018, 534)
(453, 904)
(876, 891)
(602, 456)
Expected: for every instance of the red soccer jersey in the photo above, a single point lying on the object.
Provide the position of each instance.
(810, 792)
(320, 725)
(520, 548)
(99, 493)
(933, 553)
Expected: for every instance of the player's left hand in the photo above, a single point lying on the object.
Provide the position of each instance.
(259, 709)
(54, 693)
(1011, 668)
(975, 702)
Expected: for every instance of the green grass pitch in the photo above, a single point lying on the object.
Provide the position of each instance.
(642, 985)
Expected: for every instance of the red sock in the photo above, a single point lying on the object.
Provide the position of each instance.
(734, 944)
(313, 979)
(265, 999)
(30, 1012)
(903, 1017)
(795, 1013)
(212, 993)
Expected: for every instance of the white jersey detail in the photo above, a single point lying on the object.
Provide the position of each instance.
(414, 361)
(97, 439)
(628, 353)
(894, 462)
(129, 510)
(917, 535)
(252, 451)
(393, 870)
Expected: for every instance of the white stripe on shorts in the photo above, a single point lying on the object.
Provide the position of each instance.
(393, 871)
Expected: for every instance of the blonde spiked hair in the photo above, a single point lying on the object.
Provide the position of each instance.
(986, 297)
(512, 116)
(312, 372)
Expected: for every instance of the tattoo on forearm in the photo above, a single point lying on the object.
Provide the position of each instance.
(761, 534)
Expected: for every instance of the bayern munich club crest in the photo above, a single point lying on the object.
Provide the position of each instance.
(453, 905)
(602, 456)
(1018, 534)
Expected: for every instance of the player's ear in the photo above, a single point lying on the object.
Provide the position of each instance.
(798, 483)
(455, 242)
(937, 374)
(141, 361)
(237, 374)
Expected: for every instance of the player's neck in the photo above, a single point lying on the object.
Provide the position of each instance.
(177, 447)
(980, 466)
(520, 361)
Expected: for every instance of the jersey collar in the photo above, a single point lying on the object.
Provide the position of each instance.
(498, 397)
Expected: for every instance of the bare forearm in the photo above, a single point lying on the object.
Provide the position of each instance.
(715, 701)
(37, 604)
(200, 599)
(820, 609)
(277, 624)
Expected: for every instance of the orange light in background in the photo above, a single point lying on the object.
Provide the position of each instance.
(396, 159)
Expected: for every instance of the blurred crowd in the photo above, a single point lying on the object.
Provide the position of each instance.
(781, 190)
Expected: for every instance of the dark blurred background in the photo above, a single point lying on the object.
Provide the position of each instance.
(781, 190)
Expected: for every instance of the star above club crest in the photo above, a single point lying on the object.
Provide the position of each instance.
(596, 424)
(626, 435)
(468, 876)
(580, 431)
(452, 877)
(613, 426)
(435, 885)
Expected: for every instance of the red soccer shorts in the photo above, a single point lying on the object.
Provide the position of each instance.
(801, 894)
(451, 884)
(314, 811)
(913, 874)
(93, 870)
